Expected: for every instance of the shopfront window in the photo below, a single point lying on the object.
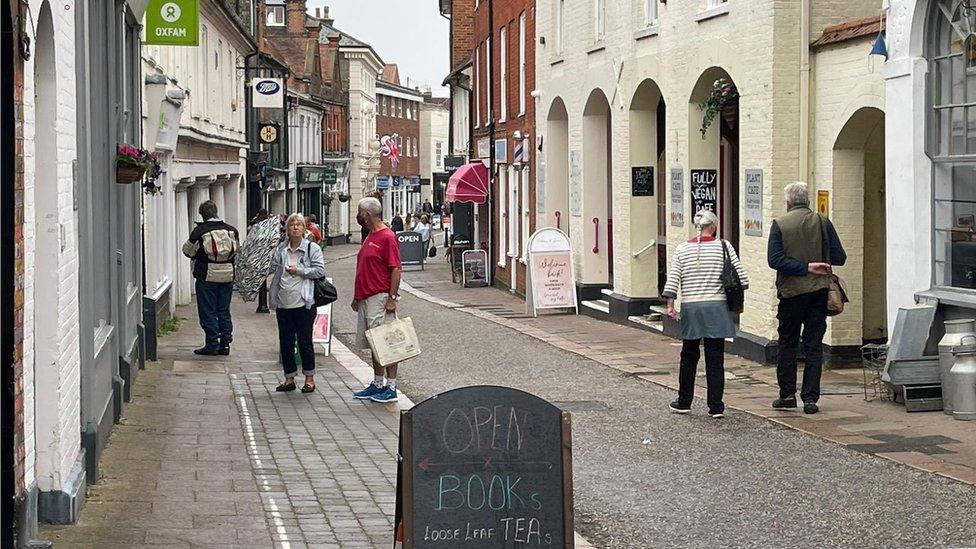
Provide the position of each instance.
(951, 142)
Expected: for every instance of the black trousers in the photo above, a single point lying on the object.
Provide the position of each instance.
(296, 324)
(809, 313)
(714, 372)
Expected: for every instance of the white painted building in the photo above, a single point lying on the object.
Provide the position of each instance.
(619, 87)
(931, 155)
(203, 147)
(434, 128)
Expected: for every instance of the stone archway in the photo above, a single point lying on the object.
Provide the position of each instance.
(557, 167)
(647, 220)
(859, 215)
(597, 211)
(714, 158)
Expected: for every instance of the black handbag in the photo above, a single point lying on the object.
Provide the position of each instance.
(735, 295)
(432, 252)
(325, 292)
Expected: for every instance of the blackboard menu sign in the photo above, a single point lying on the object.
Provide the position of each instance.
(475, 268)
(704, 191)
(412, 250)
(485, 467)
(642, 181)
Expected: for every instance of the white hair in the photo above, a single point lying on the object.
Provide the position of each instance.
(296, 218)
(372, 205)
(797, 194)
(706, 218)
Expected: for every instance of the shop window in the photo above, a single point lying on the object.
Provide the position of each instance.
(951, 143)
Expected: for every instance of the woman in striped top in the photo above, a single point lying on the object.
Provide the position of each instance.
(696, 269)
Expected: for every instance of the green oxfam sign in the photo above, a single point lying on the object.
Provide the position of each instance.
(173, 22)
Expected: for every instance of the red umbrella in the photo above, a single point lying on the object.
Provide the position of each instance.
(468, 184)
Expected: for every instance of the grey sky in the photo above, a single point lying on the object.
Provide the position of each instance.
(410, 33)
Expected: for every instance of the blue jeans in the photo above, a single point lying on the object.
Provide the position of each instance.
(213, 306)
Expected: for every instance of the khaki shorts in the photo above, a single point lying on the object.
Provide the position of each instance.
(372, 313)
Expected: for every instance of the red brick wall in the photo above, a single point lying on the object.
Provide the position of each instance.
(18, 358)
(334, 119)
(506, 14)
(387, 125)
(462, 31)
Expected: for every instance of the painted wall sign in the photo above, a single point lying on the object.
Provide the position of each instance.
(823, 203)
(484, 148)
(642, 181)
(475, 268)
(173, 22)
(753, 221)
(575, 184)
(704, 191)
(485, 467)
(677, 197)
(412, 250)
(267, 93)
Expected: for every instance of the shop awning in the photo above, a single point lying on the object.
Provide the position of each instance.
(468, 184)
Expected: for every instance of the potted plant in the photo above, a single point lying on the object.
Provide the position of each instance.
(723, 93)
(134, 164)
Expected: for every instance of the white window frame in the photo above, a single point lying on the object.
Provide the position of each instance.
(438, 154)
(383, 104)
(488, 80)
(503, 66)
(650, 13)
(560, 17)
(521, 87)
(513, 211)
(409, 112)
(269, 10)
(715, 3)
(600, 19)
(477, 87)
(525, 211)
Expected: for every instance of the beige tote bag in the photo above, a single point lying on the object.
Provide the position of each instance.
(393, 341)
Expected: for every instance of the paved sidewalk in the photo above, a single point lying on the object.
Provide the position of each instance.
(930, 441)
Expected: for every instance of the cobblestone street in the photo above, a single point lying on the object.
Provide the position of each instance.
(209, 455)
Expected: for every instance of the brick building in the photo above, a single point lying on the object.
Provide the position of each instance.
(504, 129)
(398, 117)
(627, 158)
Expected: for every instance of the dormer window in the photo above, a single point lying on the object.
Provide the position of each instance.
(275, 16)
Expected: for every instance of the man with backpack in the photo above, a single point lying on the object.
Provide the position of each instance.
(212, 247)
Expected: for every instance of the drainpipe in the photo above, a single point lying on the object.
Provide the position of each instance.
(804, 167)
(492, 262)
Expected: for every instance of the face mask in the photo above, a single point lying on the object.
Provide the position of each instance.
(361, 220)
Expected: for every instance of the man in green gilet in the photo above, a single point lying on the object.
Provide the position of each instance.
(798, 252)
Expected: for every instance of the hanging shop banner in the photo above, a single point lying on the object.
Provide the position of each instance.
(268, 93)
(704, 191)
(173, 22)
(823, 203)
(412, 250)
(575, 184)
(475, 264)
(677, 197)
(268, 132)
(552, 282)
(753, 221)
(642, 181)
(484, 467)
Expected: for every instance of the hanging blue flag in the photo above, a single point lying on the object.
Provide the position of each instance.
(879, 47)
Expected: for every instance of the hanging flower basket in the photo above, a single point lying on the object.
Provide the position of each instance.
(134, 164)
(723, 94)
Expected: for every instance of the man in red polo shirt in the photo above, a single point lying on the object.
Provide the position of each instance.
(377, 291)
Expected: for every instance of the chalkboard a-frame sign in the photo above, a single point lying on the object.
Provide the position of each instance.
(642, 181)
(485, 466)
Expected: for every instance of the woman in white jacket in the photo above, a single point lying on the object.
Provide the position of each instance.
(297, 263)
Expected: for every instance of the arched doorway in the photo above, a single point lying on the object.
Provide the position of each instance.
(48, 246)
(859, 195)
(648, 202)
(557, 167)
(713, 155)
(597, 222)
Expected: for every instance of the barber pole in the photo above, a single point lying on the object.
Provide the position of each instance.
(519, 151)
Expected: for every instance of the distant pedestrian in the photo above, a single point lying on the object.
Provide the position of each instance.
(396, 223)
(696, 269)
(296, 265)
(423, 227)
(408, 222)
(797, 252)
(377, 293)
(258, 217)
(212, 247)
(313, 229)
(427, 207)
